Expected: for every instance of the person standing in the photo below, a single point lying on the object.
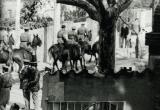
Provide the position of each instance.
(29, 83)
(5, 87)
(82, 32)
(124, 34)
(62, 34)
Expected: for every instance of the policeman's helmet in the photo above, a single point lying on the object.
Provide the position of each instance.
(63, 26)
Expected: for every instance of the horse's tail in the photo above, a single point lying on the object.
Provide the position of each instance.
(50, 51)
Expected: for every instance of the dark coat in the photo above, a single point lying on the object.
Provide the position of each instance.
(124, 32)
(5, 86)
(29, 79)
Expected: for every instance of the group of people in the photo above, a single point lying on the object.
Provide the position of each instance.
(29, 83)
(29, 76)
(74, 36)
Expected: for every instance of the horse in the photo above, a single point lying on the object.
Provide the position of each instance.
(18, 55)
(95, 50)
(75, 56)
(65, 52)
(85, 49)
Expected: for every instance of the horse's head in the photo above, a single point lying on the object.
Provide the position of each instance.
(36, 41)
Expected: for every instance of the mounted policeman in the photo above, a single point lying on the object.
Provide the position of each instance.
(26, 41)
(11, 40)
(4, 44)
(82, 32)
(62, 34)
(72, 36)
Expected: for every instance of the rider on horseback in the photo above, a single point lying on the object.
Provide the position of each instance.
(4, 39)
(72, 36)
(82, 32)
(62, 34)
(25, 39)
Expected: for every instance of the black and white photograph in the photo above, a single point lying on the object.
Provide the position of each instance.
(73, 105)
(79, 54)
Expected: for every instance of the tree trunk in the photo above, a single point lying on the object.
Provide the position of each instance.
(107, 47)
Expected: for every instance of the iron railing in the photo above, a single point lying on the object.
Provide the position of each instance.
(72, 105)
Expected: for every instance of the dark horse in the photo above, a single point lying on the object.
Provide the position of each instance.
(18, 55)
(85, 49)
(65, 52)
(95, 50)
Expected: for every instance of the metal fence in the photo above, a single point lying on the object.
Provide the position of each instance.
(109, 105)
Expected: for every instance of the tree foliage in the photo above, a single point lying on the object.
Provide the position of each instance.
(29, 14)
(70, 15)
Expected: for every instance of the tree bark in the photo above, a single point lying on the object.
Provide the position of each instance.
(107, 47)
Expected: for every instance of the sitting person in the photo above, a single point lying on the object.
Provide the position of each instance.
(4, 40)
(25, 43)
(72, 36)
(82, 32)
(62, 34)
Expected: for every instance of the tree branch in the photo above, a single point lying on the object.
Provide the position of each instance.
(94, 3)
(102, 9)
(125, 5)
(88, 7)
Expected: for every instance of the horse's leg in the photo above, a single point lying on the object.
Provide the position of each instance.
(64, 65)
(90, 59)
(81, 63)
(53, 65)
(84, 61)
(57, 66)
(96, 58)
(72, 65)
(19, 62)
(76, 65)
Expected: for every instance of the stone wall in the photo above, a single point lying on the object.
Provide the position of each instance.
(137, 92)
